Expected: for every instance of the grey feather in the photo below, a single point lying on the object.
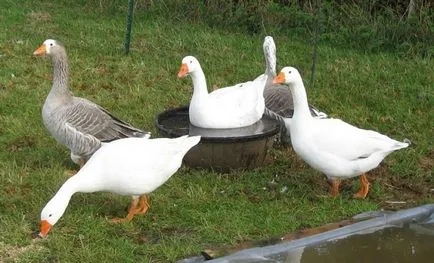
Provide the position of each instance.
(77, 123)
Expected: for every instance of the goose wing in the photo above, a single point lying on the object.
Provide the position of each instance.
(239, 99)
(88, 118)
(279, 100)
(347, 141)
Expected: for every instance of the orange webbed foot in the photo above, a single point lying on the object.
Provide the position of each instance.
(131, 212)
(143, 205)
(364, 187)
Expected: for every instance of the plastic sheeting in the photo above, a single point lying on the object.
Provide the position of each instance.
(292, 251)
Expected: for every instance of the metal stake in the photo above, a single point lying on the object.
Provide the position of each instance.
(129, 24)
(316, 33)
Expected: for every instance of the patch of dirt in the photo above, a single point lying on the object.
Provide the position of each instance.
(80, 86)
(17, 189)
(38, 17)
(21, 142)
(107, 86)
(11, 253)
(427, 162)
(139, 236)
(176, 231)
(286, 154)
(102, 70)
(402, 192)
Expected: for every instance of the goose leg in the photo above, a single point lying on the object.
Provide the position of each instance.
(70, 173)
(143, 205)
(335, 187)
(81, 163)
(131, 212)
(364, 187)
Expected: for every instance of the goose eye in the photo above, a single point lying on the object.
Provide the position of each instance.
(50, 215)
(289, 72)
(191, 61)
(51, 44)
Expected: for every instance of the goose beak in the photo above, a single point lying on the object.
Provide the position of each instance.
(183, 71)
(45, 228)
(279, 79)
(42, 50)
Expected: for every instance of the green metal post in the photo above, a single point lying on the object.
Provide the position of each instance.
(316, 33)
(129, 24)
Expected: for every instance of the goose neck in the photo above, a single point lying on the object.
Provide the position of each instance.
(64, 194)
(61, 199)
(60, 73)
(270, 60)
(199, 83)
(70, 187)
(301, 105)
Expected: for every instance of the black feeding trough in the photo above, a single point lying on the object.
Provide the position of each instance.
(221, 149)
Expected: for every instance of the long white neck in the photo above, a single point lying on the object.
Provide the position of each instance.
(199, 84)
(85, 181)
(299, 96)
(63, 196)
(81, 182)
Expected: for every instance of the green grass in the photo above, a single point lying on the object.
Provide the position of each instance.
(196, 209)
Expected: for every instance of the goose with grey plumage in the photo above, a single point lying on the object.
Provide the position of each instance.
(277, 97)
(75, 122)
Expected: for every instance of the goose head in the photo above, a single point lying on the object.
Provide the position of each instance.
(288, 75)
(269, 45)
(48, 48)
(51, 213)
(189, 64)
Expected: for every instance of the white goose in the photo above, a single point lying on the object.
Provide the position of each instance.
(129, 166)
(230, 107)
(332, 146)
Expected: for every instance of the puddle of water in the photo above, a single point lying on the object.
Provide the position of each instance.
(387, 237)
(410, 243)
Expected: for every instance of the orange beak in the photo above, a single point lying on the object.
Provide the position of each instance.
(45, 228)
(41, 51)
(183, 71)
(279, 79)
